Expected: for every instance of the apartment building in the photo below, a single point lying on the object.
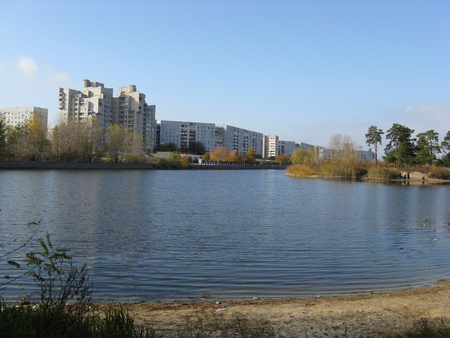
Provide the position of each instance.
(17, 116)
(129, 109)
(132, 111)
(270, 146)
(183, 133)
(239, 139)
(286, 147)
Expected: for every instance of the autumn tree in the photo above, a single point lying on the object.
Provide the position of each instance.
(401, 149)
(219, 153)
(303, 156)
(28, 141)
(427, 147)
(250, 157)
(283, 159)
(373, 138)
(3, 130)
(343, 155)
(76, 141)
(118, 141)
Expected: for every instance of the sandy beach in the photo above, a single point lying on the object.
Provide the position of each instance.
(350, 316)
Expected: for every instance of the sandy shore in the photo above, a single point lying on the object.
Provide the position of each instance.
(349, 316)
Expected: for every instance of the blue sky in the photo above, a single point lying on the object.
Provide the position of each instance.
(303, 70)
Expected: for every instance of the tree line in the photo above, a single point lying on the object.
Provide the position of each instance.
(404, 149)
(84, 141)
(88, 142)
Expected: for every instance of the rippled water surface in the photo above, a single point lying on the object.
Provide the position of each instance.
(164, 235)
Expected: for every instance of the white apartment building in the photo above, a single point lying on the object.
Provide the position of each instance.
(93, 101)
(270, 146)
(129, 109)
(19, 115)
(239, 139)
(183, 133)
(132, 111)
(286, 147)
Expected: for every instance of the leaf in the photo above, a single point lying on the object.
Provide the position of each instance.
(17, 265)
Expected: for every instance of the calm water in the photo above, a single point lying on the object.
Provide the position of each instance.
(164, 235)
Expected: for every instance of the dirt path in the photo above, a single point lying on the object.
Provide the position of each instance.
(352, 316)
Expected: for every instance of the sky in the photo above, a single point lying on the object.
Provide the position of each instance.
(303, 70)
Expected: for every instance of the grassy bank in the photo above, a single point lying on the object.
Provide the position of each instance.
(366, 171)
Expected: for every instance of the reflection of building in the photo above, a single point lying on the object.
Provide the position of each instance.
(19, 115)
(182, 134)
(239, 139)
(129, 109)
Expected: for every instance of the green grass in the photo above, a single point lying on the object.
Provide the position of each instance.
(36, 321)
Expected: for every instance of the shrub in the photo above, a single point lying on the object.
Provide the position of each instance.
(383, 173)
(301, 170)
(440, 173)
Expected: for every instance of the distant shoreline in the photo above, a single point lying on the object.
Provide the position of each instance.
(37, 165)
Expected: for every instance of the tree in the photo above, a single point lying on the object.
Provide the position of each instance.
(76, 141)
(251, 155)
(373, 138)
(401, 149)
(283, 159)
(343, 155)
(445, 144)
(27, 141)
(219, 153)
(196, 148)
(302, 156)
(427, 147)
(3, 130)
(118, 139)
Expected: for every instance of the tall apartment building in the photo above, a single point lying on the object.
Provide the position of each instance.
(239, 139)
(270, 146)
(93, 101)
(132, 111)
(19, 115)
(182, 134)
(129, 109)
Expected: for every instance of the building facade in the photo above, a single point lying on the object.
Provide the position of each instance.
(239, 139)
(17, 116)
(270, 146)
(129, 109)
(183, 133)
(286, 147)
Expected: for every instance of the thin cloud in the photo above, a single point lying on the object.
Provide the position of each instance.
(27, 66)
(52, 77)
(428, 116)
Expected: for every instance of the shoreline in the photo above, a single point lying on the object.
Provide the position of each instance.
(37, 165)
(363, 315)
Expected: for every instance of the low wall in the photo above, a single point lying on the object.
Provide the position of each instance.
(10, 165)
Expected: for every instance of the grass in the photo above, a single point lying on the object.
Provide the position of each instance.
(207, 323)
(36, 321)
(440, 173)
(301, 170)
(425, 328)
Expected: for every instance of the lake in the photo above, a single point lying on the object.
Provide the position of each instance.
(155, 235)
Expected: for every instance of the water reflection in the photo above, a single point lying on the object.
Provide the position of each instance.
(181, 234)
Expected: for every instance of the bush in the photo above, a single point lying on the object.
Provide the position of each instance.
(440, 173)
(426, 328)
(383, 173)
(301, 170)
(64, 307)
